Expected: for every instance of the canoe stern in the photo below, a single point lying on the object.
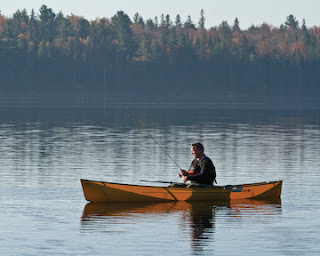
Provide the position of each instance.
(264, 190)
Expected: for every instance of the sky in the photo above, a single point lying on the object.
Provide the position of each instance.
(248, 12)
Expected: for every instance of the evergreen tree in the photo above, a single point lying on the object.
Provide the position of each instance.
(156, 22)
(20, 21)
(202, 20)
(236, 27)
(162, 21)
(33, 27)
(138, 20)
(189, 23)
(150, 24)
(225, 31)
(178, 21)
(168, 22)
(305, 36)
(121, 23)
(155, 50)
(47, 23)
(42, 50)
(291, 22)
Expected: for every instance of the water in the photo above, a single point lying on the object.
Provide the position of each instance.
(43, 155)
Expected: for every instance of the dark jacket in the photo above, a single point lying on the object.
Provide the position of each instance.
(204, 171)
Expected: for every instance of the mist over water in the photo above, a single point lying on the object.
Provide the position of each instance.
(43, 155)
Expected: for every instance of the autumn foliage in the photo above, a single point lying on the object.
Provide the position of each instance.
(49, 49)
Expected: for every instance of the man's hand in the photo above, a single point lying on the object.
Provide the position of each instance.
(184, 173)
(184, 179)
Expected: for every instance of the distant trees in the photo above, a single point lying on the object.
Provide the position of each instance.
(56, 49)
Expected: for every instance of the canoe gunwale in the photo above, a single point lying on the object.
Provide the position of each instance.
(205, 187)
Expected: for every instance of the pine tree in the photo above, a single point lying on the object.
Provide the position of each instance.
(178, 21)
(202, 20)
(121, 23)
(189, 23)
(292, 22)
(236, 27)
(305, 36)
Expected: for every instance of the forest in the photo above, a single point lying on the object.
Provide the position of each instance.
(162, 58)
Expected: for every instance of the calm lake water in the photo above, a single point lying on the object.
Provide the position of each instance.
(43, 155)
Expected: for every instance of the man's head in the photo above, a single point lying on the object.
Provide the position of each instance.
(197, 150)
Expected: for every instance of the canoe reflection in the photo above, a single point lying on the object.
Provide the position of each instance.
(126, 209)
(200, 217)
(94, 210)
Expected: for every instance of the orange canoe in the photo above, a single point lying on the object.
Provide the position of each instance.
(105, 192)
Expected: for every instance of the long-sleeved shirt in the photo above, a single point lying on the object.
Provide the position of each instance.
(204, 171)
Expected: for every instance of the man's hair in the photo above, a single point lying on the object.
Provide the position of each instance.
(197, 145)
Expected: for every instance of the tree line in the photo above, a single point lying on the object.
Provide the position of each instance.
(50, 49)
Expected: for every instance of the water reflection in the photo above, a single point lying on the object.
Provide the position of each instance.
(198, 218)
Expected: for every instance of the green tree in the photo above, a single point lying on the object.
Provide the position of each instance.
(33, 27)
(172, 38)
(150, 24)
(42, 50)
(47, 23)
(202, 20)
(156, 21)
(236, 27)
(20, 21)
(282, 28)
(123, 33)
(64, 29)
(138, 20)
(305, 35)
(167, 23)
(84, 28)
(189, 24)
(178, 21)
(225, 31)
(156, 50)
(9, 35)
(291, 22)
(162, 20)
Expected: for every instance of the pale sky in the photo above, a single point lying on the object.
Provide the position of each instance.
(248, 12)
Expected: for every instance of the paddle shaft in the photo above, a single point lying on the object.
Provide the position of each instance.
(156, 181)
(153, 139)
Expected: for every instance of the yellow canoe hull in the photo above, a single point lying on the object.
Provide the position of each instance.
(105, 192)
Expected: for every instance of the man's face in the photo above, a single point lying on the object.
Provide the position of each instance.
(196, 152)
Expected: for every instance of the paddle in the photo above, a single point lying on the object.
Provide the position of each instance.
(156, 181)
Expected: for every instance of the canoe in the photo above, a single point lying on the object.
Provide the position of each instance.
(106, 192)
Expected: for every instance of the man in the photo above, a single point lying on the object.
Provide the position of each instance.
(202, 170)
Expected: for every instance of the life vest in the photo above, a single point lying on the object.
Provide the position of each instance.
(195, 168)
(191, 172)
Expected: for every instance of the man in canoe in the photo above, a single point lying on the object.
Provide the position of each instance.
(202, 171)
